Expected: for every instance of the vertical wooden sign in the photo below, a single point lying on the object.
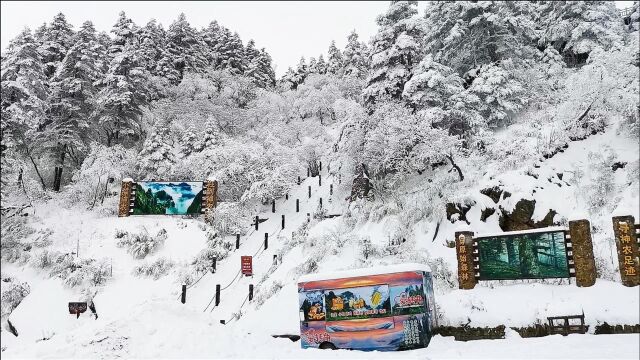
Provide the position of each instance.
(125, 198)
(628, 253)
(464, 252)
(582, 247)
(211, 195)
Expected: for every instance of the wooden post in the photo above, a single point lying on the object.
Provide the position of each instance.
(319, 180)
(283, 221)
(217, 294)
(298, 180)
(266, 240)
(273, 205)
(297, 205)
(183, 298)
(331, 189)
(237, 241)
(256, 222)
(309, 191)
(250, 292)
(464, 251)
(627, 247)
(214, 264)
(125, 198)
(582, 247)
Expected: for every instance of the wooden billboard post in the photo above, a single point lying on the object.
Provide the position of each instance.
(582, 247)
(464, 251)
(125, 197)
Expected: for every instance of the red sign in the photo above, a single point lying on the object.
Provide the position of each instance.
(246, 264)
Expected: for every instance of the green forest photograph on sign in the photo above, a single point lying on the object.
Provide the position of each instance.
(523, 256)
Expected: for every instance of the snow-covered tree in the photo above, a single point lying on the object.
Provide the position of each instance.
(185, 49)
(465, 35)
(356, 57)
(156, 157)
(395, 51)
(124, 88)
(575, 28)
(334, 59)
(56, 41)
(152, 48)
(321, 65)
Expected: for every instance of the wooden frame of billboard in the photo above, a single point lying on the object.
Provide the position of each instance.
(128, 196)
(579, 250)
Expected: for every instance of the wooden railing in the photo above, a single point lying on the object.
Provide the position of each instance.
(561, 325)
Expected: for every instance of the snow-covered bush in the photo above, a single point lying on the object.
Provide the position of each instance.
(15, 229)
(156, 269)
(443, 276)
(100, 175)
(230, 218)
(142, 244)
(12, 294)
(598, 193)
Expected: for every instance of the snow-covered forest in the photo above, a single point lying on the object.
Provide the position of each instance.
(441, 110)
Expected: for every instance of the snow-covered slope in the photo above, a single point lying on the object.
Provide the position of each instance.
(142, 317)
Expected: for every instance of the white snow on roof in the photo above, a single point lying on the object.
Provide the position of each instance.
(377, 270)
(519, 232)
(127, 180)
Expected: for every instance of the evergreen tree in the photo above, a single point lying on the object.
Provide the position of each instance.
(395, 51)
(321, 65)
(156, 156)
(152, 47)
(302, 71)
(230, 52)
(211, 37)
(185, 49)
(575, 28)
(124, 88)
(57, 39)
(259, 66)
(334, 62)
(467, 35)
(313, 65)
(23, 95)
(355, 57)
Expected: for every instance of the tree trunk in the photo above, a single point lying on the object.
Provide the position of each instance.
(456, 167)
(44, 187)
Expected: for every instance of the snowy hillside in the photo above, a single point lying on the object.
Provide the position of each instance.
(473, 116)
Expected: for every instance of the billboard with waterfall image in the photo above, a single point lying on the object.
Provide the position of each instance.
(168, 198)
(536, 255)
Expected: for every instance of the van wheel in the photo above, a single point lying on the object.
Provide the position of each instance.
(327, 345)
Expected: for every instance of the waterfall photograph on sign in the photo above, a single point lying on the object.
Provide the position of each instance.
(168, 198)
(523, 256)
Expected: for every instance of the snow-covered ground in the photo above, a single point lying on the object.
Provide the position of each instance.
(143, 318)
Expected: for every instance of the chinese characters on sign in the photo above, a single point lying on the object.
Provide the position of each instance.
(627, 244)
(411, 331)
(246, 265)
(464, 251)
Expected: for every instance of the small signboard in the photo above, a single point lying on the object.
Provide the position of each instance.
(246, 265)
(77, 308)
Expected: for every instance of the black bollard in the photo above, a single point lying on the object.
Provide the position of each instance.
(214, 264)
(309, 191)
(320, 167)
(283, 221)
(308, 217)
(297, 205)
(286, 196)
(298, 180)
(320, 203)
(266, 240)
(183, 299)
(319, 180)
(217, 294)
(308, 171)
(331, 189)
(237, 241)
(273, 206)
(256, 222)
(250, 292)
(275, 259)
